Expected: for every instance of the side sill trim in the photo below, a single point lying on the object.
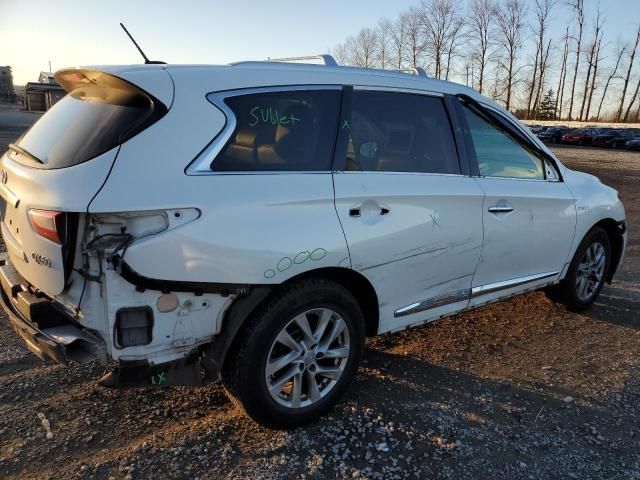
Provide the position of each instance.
(434, 302)
(468, 293)
(514, 282)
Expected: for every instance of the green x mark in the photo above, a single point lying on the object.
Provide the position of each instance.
(161, 378)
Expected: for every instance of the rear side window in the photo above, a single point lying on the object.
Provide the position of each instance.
(399, 132)
(93, 118)
(281, 131)
(498, 153)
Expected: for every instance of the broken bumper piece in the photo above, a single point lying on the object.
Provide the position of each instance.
(47, 332)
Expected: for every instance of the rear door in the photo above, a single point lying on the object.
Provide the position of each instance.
(529, 215)
(411, 215)
(51, 173)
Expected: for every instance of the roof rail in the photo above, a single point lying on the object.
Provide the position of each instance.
(328, 59)
(418, 71)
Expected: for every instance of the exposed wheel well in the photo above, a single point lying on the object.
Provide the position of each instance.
(241, 309)
(615, 238)
(358, 285)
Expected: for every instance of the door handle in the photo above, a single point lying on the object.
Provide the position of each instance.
(500, 208)
(356, 212)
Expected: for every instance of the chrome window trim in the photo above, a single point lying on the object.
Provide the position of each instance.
(201, 164)
(469, 293)
(412, 91)
(385, 172)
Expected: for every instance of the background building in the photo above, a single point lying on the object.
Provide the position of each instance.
(40, 96)
(7, 93)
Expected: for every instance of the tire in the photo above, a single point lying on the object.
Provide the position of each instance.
(579, 143)
(569, 291)
(245, 376)
(614, 145)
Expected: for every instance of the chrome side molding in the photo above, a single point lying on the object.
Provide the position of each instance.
(434, 302)
(468, 293)
(514, 282)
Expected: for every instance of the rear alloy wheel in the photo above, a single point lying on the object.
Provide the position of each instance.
(307, 358)
(296, 355)
(587, 272)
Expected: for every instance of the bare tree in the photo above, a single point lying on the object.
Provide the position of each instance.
(632, 56)
(611, 76)
(362, 48)
(563, 75)
(439, 19)
(510, 23)
(383, 42)
(412, 19)
(578, 7)
(544, 63)
(481, 27)
(631, 102)
(340, 53)
(542, 12)
(455, 41)
(593, 78)
(398, 35)
(593, 48)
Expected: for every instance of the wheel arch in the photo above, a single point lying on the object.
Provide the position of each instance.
(615, 231)
(215, 353)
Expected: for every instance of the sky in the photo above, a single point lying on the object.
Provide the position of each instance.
(74, 32)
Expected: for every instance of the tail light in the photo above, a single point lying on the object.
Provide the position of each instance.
(47, 224)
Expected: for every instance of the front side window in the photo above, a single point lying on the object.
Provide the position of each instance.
(281, 131)
(498, 153)
(399, 132)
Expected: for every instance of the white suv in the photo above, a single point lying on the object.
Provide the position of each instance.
(257, 221)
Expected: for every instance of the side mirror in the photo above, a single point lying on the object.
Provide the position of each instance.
(368, 150)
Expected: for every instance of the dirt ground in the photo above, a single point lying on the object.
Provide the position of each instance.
(520, 389)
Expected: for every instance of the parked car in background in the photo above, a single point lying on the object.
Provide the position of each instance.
(298, 210)
(553, 134)
(633, 144)
(582, 136)
(614, 138)
(538, 128)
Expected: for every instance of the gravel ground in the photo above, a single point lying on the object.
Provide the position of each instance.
(520, 389)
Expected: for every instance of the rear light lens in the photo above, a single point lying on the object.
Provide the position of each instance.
(47, 224)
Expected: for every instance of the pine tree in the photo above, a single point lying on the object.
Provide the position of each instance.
(547, 108)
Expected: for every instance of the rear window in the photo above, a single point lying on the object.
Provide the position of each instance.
(281, 131)
(89, 121)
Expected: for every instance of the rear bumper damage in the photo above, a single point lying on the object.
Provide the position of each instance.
(48, 332)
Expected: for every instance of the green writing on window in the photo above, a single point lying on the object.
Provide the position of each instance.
(271, 116)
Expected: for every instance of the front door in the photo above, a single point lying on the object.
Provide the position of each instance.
(412, 220)
(528, 214)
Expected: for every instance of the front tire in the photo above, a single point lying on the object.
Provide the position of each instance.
(587, 272)
(296, 355)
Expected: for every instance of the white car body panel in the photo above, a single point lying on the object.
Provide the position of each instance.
(427, 246)
(532, 239)
(67, 190)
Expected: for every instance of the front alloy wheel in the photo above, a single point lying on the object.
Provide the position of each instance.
(590, 272)
(586, 274)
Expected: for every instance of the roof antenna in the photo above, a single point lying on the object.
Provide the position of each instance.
(146, 60)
